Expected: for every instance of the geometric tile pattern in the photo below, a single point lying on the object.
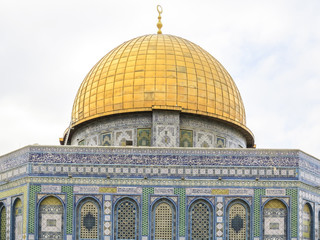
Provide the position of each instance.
(69, 191)
(181, 192)
(257, 222)
(33, 190)
(165, 136)
(146, 192)
(122, 136)
(107, 211)
(204, 139)
(293, 193)
(219, 214)
(275, 220)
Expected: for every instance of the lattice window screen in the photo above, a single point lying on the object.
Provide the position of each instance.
(3, 224)
(163, 222)
(89, 221)
(237, 222)
(200, 217)
(127, 221)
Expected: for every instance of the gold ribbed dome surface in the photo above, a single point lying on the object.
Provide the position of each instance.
(159, 72)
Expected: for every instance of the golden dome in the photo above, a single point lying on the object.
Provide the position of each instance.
(159, 72)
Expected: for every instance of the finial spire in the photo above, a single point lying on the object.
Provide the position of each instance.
(159, 24)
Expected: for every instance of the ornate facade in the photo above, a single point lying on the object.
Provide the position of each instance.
(158, 149)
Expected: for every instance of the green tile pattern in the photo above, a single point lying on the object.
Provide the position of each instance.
(33, 190)
(181, 192)
(293, 193)
(256, 213)
(145, 210)
(186, 138)
(144, 137)
(69, 191)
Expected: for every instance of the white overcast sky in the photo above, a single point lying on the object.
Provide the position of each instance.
(271, 48)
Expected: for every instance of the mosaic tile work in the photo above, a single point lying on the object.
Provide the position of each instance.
(69, 191)
(256, 213)
(181, 192)
(107, 217)
(275, 221)
(220, 217)
(293, 193)
(221, 142)
(145, 210)
(51, 225)
(186, 138)
(204, 139)
(17, 222)
(121, 137)
(144, 137)
(106, 139)
(3, 223)
(33, 190)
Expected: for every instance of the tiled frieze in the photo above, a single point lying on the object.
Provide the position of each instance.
(219, 217)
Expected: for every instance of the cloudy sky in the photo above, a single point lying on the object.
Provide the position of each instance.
(271, 48)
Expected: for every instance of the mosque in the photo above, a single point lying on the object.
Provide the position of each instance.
(158, 149)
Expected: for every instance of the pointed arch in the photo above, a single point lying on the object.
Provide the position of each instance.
(88, 221)
(164, 220)
(126, 224)
(307, 221)
(238, 220)
(200, 220)
(3, 222)
(51, 218)
(275, 220)
(17, 219)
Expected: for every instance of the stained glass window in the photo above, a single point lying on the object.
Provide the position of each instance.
(200, 221)
(164, 221)
(126, 215)
(238, 221)
(275, 220)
